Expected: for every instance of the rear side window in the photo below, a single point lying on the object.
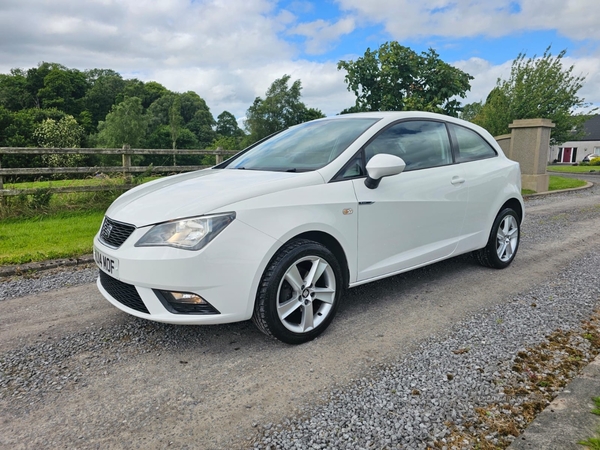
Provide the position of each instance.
(471, 146)
(420, 143)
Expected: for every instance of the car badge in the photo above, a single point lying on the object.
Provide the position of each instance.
(107, 231)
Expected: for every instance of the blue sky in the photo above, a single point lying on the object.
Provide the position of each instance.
(230, 51)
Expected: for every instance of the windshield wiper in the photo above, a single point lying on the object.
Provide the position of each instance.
(291, 170)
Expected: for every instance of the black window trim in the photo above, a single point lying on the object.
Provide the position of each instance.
(339, 175)
(456, 149)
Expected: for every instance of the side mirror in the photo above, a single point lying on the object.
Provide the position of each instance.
(382, 165)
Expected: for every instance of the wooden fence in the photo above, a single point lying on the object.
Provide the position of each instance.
(125, 168)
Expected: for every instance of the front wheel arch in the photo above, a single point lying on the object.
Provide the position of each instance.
(299, 292)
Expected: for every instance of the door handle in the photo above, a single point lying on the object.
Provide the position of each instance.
(457, 180)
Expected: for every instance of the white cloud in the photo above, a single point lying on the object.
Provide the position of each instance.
(577, 19)
(230, 51)
(321, 35)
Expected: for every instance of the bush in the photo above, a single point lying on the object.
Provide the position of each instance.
(595, 162)
(41, 198)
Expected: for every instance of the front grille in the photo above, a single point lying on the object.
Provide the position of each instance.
(114, 233)
(124, 293)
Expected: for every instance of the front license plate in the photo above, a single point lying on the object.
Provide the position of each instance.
(107, 263)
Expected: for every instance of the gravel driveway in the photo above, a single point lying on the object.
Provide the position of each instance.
(405, 357)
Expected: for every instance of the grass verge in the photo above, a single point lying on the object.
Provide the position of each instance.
(62, 235)
(573, 169)
(40, 227)
(557, 183)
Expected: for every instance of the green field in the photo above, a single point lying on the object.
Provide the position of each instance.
(65, 227)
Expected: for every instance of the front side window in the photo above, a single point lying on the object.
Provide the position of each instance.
(471, 146)
(305, 147)
(420, 143)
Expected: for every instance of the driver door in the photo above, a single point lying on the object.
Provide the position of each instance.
(415, 217)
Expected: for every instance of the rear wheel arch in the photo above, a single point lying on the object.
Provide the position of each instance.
(516, 206)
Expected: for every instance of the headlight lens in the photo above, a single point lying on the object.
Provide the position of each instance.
(189, 234)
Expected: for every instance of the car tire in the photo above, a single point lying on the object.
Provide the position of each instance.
(503, 242)
(299, 292)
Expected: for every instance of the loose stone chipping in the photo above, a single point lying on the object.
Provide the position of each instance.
(426, 399)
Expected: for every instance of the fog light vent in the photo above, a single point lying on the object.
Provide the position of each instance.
(185, 303)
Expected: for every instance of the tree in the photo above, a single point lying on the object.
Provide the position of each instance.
(124, 125)
(537, 88)
(281, 108)
(14, 94)
(312, 114)
(105, 86)
(395, 78)
(175, 122)
(227, 125)
(64, 133)
(470, 111)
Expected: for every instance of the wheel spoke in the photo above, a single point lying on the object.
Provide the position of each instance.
(326, 295)
(318, 267)
(509, 249)
(501, 250)
(293, 277)
(307, 317)
(285, 309)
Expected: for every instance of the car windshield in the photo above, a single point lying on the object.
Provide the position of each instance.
(305, 147)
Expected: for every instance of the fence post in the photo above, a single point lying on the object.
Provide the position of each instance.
(219, 157)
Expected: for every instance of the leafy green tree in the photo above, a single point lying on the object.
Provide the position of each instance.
(64, 133)
(124, 125)
(395, 78)
(105, 87)
(17, 129)
(148, 92)
(281, 108)
(227, 125)
(202, 125)
(63, 89)
(470, 111)
(312, 114)
(175, 122)
(14, 94)
(537, 88)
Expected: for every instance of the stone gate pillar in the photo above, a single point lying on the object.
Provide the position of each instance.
(529, 143)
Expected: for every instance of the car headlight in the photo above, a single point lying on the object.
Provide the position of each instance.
(188, 234)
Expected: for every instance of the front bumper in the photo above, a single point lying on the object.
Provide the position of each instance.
(226, 273)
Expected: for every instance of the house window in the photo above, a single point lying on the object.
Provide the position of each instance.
(597, 151)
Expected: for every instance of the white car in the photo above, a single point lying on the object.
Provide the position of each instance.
(276, 233)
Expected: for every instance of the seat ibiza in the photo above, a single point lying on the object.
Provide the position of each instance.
(278, 232)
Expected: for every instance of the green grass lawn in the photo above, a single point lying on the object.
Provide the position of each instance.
(573, 169)
(558, 183)
(62, 235)
(66, 228)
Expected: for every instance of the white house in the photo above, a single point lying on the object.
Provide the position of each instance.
(575, 151)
